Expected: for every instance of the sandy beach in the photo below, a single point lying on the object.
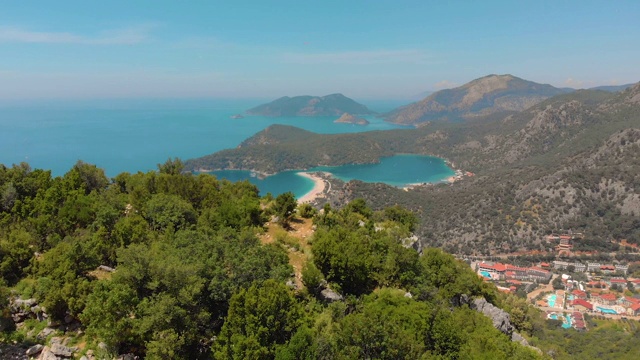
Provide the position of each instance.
(318, 188)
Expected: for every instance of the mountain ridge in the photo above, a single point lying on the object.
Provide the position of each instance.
(483, 96)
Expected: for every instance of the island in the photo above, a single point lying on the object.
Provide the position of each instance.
(329, 105)
(347, 118)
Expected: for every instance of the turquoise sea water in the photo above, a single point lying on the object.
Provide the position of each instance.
(136, 135)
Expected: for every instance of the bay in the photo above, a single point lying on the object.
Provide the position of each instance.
(399, 170)
(136, 135)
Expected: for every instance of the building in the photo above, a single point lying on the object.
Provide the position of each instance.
(538, 274)
(604, 299)
(496, 270)
(578, 294)
(563, 265)
(634, 310)
(591, 267)
(608, 269)
(627, 301)
(622, 268)
(582, 305)
(621, 283)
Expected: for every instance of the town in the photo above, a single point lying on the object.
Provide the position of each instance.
(566, 291)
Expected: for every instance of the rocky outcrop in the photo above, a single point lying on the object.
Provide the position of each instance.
(500, 318)
(347, 118)
(329, 295)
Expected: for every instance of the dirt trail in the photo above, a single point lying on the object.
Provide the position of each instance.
(301, 231)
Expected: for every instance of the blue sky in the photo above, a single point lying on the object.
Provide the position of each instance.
(364, 49)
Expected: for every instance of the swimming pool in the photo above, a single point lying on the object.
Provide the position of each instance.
(567, 323)
(571, 297)
(485, 274)
(606, 311)
(551, 300)
(553, 316)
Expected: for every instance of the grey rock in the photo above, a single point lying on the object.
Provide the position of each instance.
(518, 338)
(329, 295)
(45, 333)
(25, 303)
(292, 284)
(35, 349)
(84, 358)
(103, 346)
(68, 319)
(61, 350)
(46, 354)
(408, 295)
(106, 268)
(500, 318)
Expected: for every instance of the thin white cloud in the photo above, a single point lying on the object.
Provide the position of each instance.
(359, 57)
(125, 36)
(444, 84)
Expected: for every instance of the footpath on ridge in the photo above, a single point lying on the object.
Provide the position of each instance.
(295, 239)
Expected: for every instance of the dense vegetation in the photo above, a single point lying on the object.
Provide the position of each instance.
(192, 280)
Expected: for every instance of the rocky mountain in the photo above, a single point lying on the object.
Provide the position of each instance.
(484, 96)
(329, 105)
(347, 118)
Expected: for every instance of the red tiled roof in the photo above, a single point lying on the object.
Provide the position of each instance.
(632, 300)
(497, 266)
(581, 302)
(635, 307)
(515, 282)
(607, 267)
(544, 264)
(539, 269)
(579, 293)
(608, 297)
(618, 281)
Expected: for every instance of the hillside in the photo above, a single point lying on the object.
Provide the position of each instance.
(484, 96)
(329, 105)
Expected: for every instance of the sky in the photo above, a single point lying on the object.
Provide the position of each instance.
(371, 49)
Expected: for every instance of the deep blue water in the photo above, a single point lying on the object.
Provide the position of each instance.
(136, 135)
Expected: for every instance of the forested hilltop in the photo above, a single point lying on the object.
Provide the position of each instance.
(570, 162)
(169, 265)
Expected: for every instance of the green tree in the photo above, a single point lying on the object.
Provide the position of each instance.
(259, 319)
(284, 207)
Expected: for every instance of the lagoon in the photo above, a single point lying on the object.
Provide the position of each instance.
(400, 170)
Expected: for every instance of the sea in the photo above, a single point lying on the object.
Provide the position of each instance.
(126, 135)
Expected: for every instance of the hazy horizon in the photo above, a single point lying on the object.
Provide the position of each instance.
(255, 50)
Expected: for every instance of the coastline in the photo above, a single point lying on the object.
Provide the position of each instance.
(318, 188)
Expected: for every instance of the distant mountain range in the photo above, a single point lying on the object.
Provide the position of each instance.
(329, 105)
(612, 88)
(484, 96)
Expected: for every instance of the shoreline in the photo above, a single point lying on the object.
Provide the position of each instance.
(318, 188)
